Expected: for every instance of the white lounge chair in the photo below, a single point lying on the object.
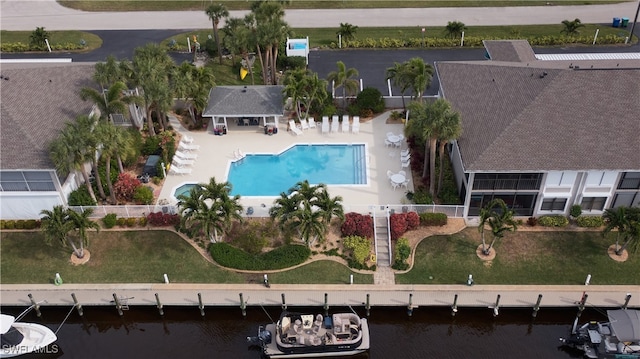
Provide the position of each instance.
(304, 124)
(355, 126)
(177, 161)
(325, 124)
(405, 158)
(312, 122)
(294, 128)
(188, 147)
(404, 153)
(406, 164)
(335, 124)
(179, 171)
(345, 124)
(186, 156)
(186, 139)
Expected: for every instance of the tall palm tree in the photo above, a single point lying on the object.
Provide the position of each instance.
(282, 209)
(232, 38)
(111, 101)
(56, 226)
(401, 78)
(192, 84)
(309, 224)
(81, 222)
(71, 150)
(344, 77)
(421, 74)
(115, 142)
(267, 22)
(329, 206)
(216, 13)
(347, 31)
(571, 27)
(455, 28)
(450, 128)
(500, 220)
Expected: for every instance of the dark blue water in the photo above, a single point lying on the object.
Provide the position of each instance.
(428, 333)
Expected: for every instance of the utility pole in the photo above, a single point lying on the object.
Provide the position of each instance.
(635, 20)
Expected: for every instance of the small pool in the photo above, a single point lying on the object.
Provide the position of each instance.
(269, 174)
(182, 189)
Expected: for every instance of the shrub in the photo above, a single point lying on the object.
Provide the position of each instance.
(356, 224)
(433, 219)
(109, 220)
(20, 224)
(81, 197)
(142, 221)
(131, 222)
(143, 195)
(125, 187)
(10, 224)
(553, 221)
(398, 225)
(360, 248)
(121, 222)
(251, 237)
(575, 211)
(402, 252)
(283, 257)
(413, 220)
(163, 219)
(590, 221)
(370, 99)
(532, 221)
(30, 224)
(151, 146)
(422, 196)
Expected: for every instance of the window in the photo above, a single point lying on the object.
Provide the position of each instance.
(626, 199)
(507, 181)
(521, 204)
(593, 203)
(630, 180)
(553, 204)
(26, 181)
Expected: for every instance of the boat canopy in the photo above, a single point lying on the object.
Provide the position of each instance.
(625, 324)
(6, 321)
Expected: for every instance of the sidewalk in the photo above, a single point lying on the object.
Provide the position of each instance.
(27, 15)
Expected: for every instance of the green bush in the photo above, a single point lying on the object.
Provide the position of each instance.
(30, 224)
(251, 237)
(283, 257)
(143, 195)
(10, 224)
(20, 224)
(360, 247)
(142, 221)
(402, 252)
(132, 221)
(590, 221)
(151, 146)
(433, 219)
(370, 99)
(576, 211)
(422, 196)
(121, 222)
(109, 220)
(553, 221)
(81, 197)
(3, 224)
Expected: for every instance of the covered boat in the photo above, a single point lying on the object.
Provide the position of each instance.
(308, 336)
(619, 338)
(21, 338)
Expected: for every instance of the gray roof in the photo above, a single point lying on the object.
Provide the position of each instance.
(516, 118)
(36, 101)
(509, 50)
(238, 101)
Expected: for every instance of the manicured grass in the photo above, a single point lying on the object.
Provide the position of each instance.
(522, 258)
(121, 257)
(152, 5)
(57, 37)
(320, 272)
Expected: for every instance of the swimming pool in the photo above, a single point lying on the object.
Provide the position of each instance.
(184, 188)
(269, 174)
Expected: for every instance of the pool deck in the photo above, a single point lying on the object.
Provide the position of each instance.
(216, 154)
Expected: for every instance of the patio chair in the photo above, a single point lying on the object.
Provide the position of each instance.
(312, 122)
(179, 162)
(402, 173)
(389, 134)
(404, 153)
(294, 128)
(394, 185)
(186, 139)
(304, 124)
(335, 124)
(325, 124)
(405, 184)
(405, 158)
(345, 123)
(387, 142)
(188, 147)
(406, 164)
(186, 156)
(355, 126)
(179, 171)
(389, 173)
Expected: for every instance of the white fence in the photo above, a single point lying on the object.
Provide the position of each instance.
(126, 211)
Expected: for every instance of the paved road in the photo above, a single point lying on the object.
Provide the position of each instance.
(27, 15)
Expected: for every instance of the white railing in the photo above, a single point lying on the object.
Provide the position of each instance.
(126, 211)
(454, 211)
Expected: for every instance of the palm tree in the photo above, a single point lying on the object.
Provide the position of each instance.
(72, 150)
(112, 101)
(192, 84)
(305, 89)
(81, 222)
(455, 29)
(56, 226)
(449, 129)
(217, 12)
(37, 38)
(309, 224)
(231, 31)
(401, 78)
(500, 220)
(626, 221)
(421, 73)
(111, 71)
(347, 31)
(270, 30)
(282, 209)
(571, 27)
(115, 142)
(344, 78)
(329, 207)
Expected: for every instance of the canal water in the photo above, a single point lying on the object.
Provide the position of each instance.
(222, 332)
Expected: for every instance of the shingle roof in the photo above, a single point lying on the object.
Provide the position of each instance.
(35, 103)
(516, 118)
(509, 50)
(237, 101)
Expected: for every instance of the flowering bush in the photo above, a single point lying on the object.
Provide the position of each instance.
(398, 223)
(163, 219)
(125, 186)
(413, 220)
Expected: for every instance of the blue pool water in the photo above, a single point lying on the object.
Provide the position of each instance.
(269, 175)
(183, 189)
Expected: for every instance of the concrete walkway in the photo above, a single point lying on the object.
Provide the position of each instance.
(27, 15)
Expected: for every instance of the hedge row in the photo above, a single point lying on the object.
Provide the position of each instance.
(433, 219)
(19, 224)
(22, 47)
(284, 257)
(553, 221)
(590, 221)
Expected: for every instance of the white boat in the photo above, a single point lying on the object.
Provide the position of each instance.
(619, 338)
(21, 338)
(298, 335)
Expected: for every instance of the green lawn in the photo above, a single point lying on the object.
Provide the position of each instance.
(153, 5)
(57, 37)
(522, 258)
(320, 272)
